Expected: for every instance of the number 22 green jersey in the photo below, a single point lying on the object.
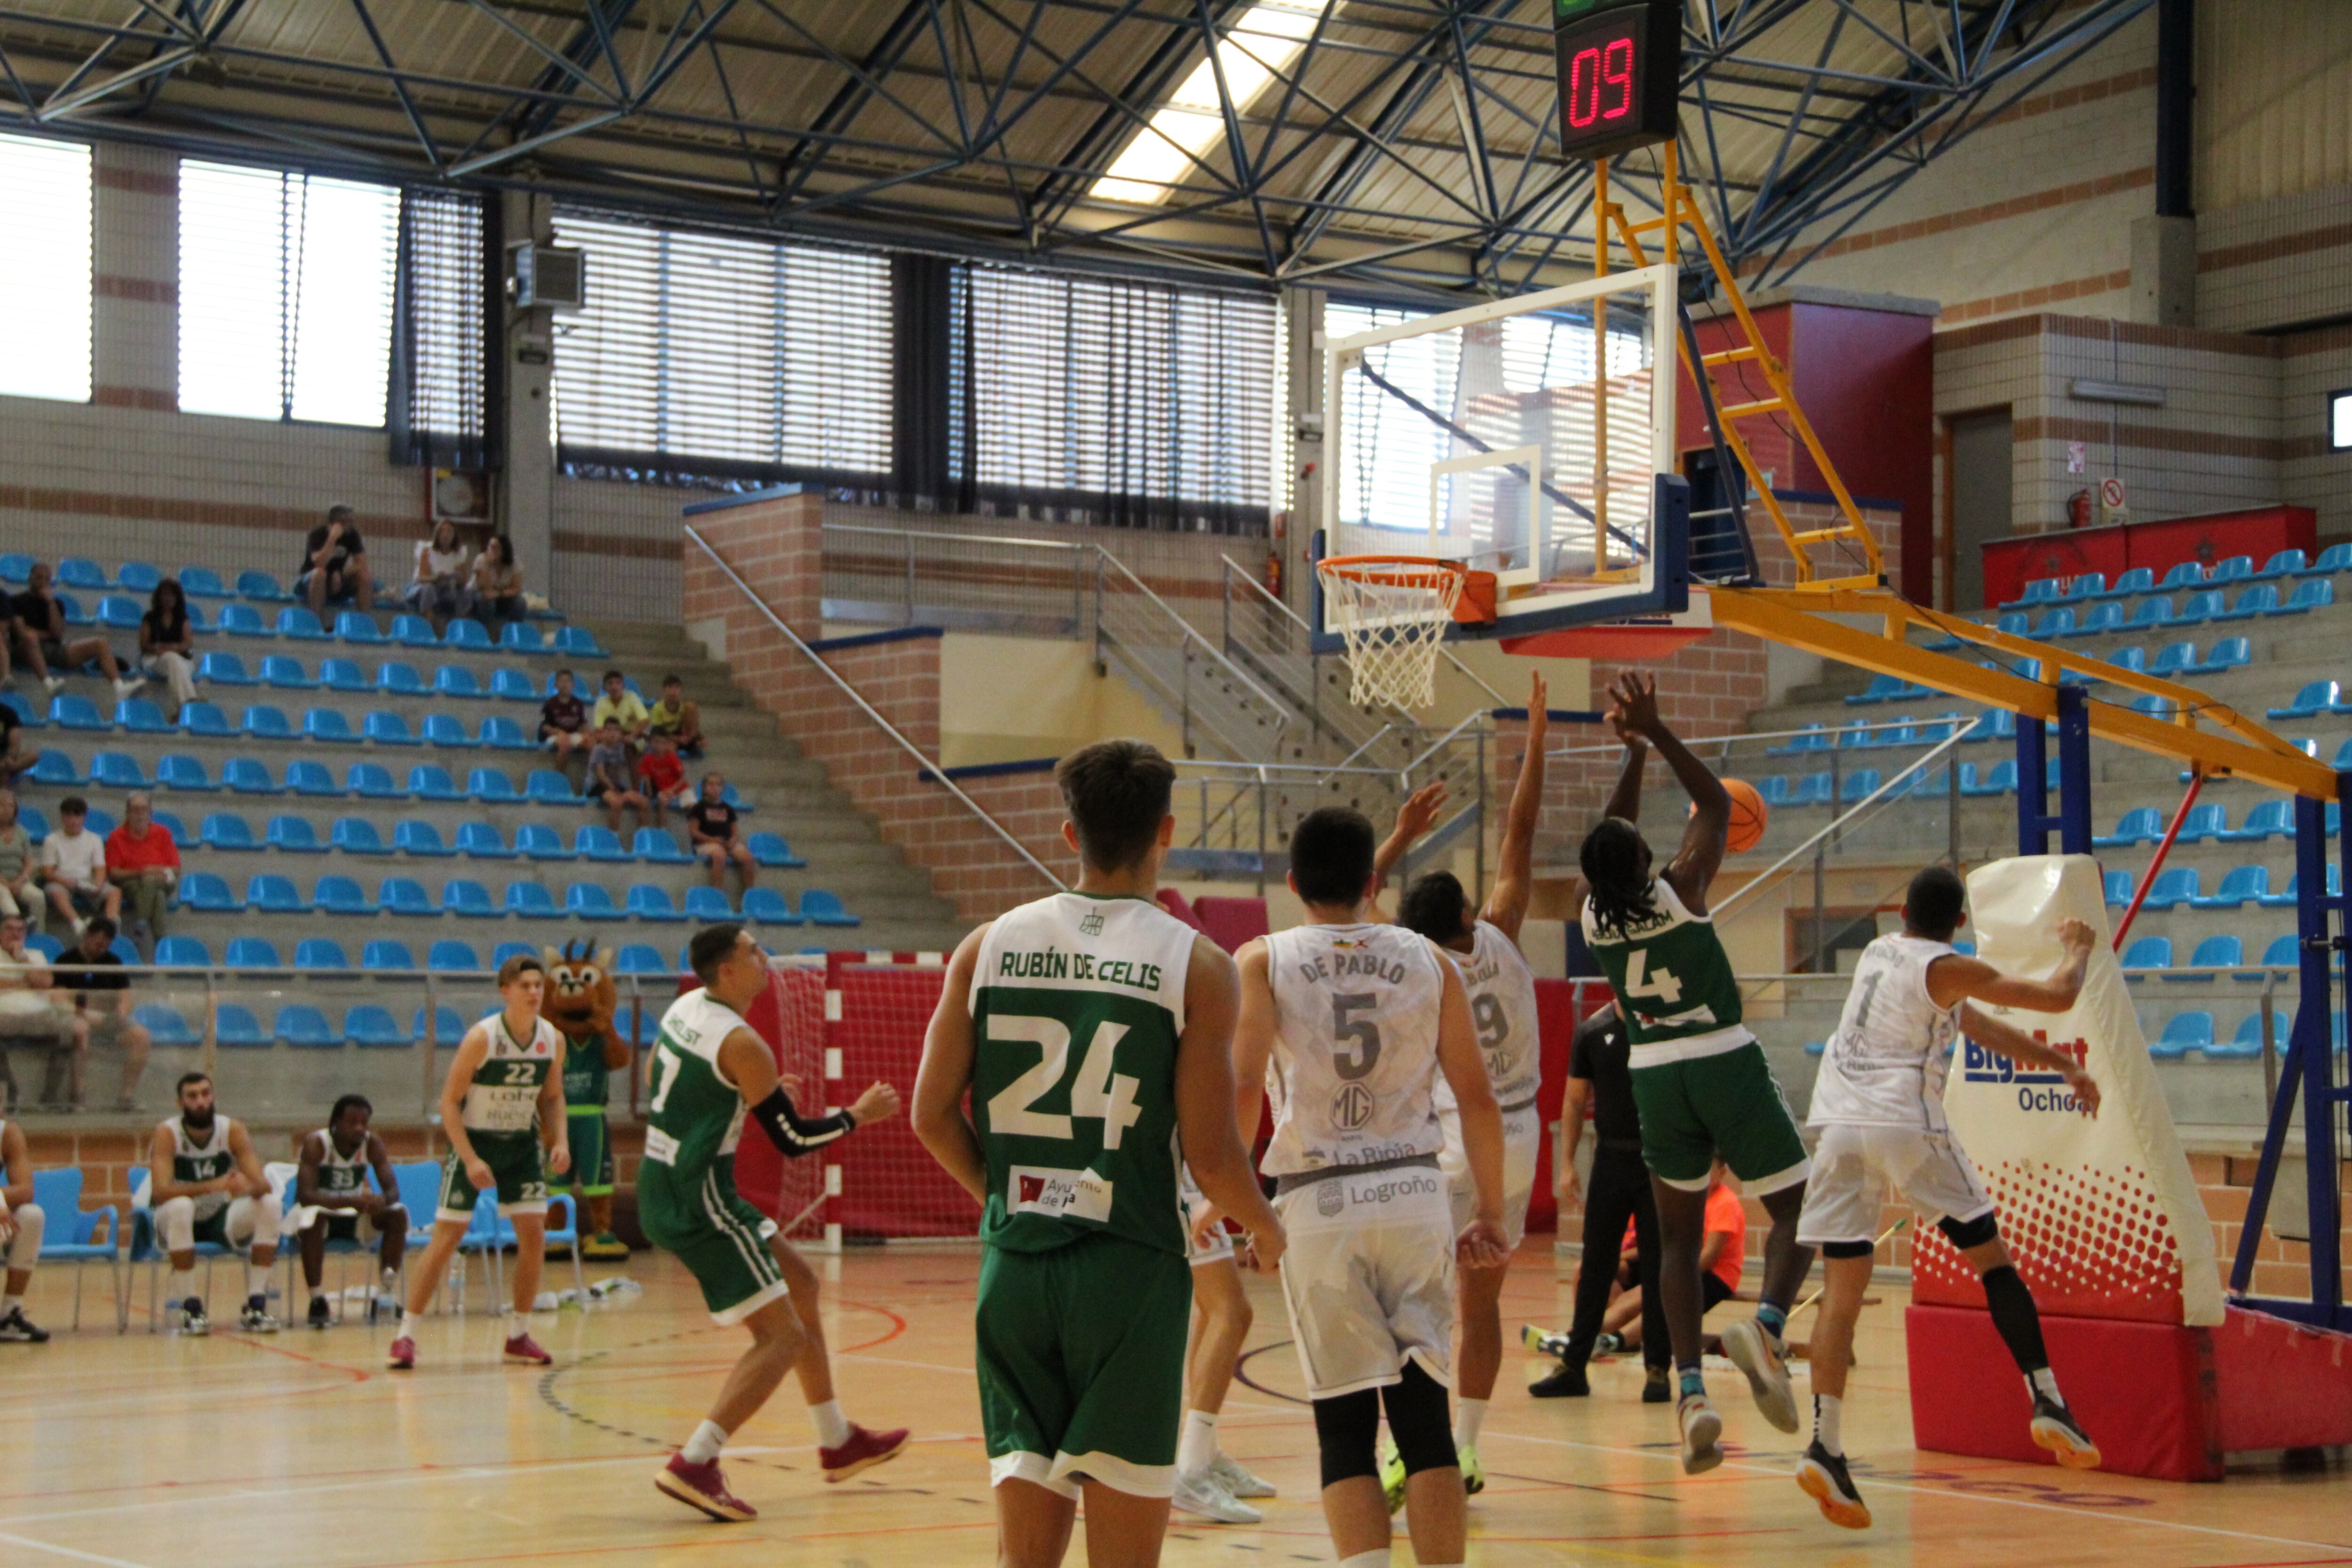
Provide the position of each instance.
(1076, 1006)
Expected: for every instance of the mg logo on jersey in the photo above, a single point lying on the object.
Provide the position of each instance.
(2036, 1091)
(1064, 1194)
(1351, 1107)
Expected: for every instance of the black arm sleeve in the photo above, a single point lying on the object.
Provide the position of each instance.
(793, 1134)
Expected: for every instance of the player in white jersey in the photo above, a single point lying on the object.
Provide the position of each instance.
(1485, 944)
(333, 1202)
(206, 1185)
(1878, 1105)
(22, 1223)
(1358, 1021)
(1211, 1484)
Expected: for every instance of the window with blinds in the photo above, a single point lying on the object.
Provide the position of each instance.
(724, 355)
(440, 354)
(1095, 400)
(286, 294)
(44, 268)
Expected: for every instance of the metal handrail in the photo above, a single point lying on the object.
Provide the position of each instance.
(930, 764)
(1234, 569)
(956, 537)
(1104, 558)
(1966, 722)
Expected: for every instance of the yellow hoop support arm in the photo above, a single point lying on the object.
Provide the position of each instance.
(2237, 746)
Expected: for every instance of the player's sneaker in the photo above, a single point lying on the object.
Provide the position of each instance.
(1204, 1498)
(1562, 1381)
(1237, 1480)
(1473, 1473)
(702, 1487)
(1823, 1478)
(18, 1329)
(1701, 1427)
(401, 1357)
(1754, 1352)
(321, 1315)
(1391, 1474)
(603, 1246)
(254, 1318)
(862, 1451)
(523, 1348)
(1542, 1341)
(193, 1321)
(2054, 1428)
(1658, 1386)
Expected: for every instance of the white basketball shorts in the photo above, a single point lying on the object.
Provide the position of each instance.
(1369, 1277)
(1522, 1139)
(1853, 1165)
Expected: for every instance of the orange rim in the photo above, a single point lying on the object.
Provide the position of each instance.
(1399, 568)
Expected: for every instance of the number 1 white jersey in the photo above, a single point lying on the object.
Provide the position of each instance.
(1356, 1011)
(1884, 1067)
(1502, 991)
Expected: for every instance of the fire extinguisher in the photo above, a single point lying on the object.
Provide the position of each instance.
(1274, 572)
(2078, 510)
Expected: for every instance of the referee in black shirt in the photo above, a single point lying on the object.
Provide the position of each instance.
(1599, 1074)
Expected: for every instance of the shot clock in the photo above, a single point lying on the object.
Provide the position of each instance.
(1620, 69)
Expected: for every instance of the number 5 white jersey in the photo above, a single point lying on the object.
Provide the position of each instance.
(1356, 1010)
(1884, 1067)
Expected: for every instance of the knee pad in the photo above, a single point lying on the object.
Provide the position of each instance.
(1964, 1234)
(1346, 1430)
(1847, 1248)
(1419, 1422)
(176, 1224)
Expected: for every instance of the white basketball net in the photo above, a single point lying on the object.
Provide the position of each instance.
(1392, 616)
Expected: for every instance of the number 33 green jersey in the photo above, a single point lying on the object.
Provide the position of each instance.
(1076, 1003)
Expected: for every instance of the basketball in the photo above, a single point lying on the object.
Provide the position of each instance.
(1748, 816)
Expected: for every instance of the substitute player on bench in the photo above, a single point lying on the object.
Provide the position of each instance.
(330, 1186)
(1485, 944)
(1879, 1104)
(1359, 1020)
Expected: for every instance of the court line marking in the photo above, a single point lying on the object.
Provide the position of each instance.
(1966, 1497)
(31, 1545)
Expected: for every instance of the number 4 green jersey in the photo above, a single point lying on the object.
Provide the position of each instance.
(1673, 981)
(1076, 1005)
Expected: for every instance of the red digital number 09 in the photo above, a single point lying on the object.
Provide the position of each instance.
(1611, 64)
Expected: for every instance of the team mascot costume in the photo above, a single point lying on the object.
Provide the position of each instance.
(580, 1001)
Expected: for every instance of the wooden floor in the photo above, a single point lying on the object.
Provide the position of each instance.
(155, 1452)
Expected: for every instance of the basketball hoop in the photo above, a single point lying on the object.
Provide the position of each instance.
(1391, 612)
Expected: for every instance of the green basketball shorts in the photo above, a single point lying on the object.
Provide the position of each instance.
(1727, 1103)
(1081, 1363)
(592, 1153)
(720, 1238)
(519, 1165)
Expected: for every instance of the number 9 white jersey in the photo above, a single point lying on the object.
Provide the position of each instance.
(1502, 992)
(1356, 1010)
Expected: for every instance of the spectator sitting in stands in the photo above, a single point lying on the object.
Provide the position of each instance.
(16, 757)
(610, 780)
(563, 727)
(166, 647)
(102, 999)
(31, 1013)
(677, 716)
(334, 569)
(20, 880)
(73, 867)
(496, 593)
(714, 839)
(662, 777)
(621, 707)
(41, 638)
(144, 862)
(437, 588)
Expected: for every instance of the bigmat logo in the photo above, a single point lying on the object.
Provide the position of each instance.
(2036, 1091)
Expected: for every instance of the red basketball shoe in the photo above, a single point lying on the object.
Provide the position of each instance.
(863, 1451)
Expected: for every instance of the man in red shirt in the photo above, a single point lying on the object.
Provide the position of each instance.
(141, 860)
(663, 775)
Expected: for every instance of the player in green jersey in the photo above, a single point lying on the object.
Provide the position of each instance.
(502, 1111)
(1093, 1031)
(1700, 1080)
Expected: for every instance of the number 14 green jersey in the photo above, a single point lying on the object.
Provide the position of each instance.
(1076, 1005)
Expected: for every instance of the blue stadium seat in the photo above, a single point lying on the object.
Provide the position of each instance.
(2173, 886)
(2057, 622)
(80, 571)
(235, 1026)
(2148, 952)
(449, 956)
(343, 896)
(395, 678)
(579, 642)
(548, 788)
(2220, 950)
(294, 835)
(467, 634)
(15, 568)
(2172, 659)
(386, 727)
(370, 1026)
(53, 767)
(358, 627)
(521, 637)
(447, 729)
(343, 675)
(2188, 575)
(1999, 779)
(1859, 784)
(421, 839)
(448, 1026)
(328, 727)
(2038, 591)
(1813, 789)
(208, 892)
(183, 952)
(384, 953)
(414, 631)
(2246, 1042)
(27, 716)
(2232, 569)
(241, 621)
(1774, 790)
(1812, 738)
(296, 622)
(99, 823)
(470, 901)
(506, 950)
(1881, 688)
(2262, 599)
(272, 894)
(2204, 822)
(2286, 563)
(2267, 819)
(304, 776)
(244, 775)
(506, 735)
(491, 784)
(2183, 1033)
(2241, 886)
(372, 781)
(2284, 952)
(656, 847)
(2119, 885)
(651, 903)
(69, 711)
(2151, 614)
(530, 901)
(404, 898)
(2098, 620)
(587, 902)
(261, 588)
(537, 841)
(640, 960)
(285, 672)
(116, 769)
(202, 583)
(2141, 825)
(2313, 698)
(170, 823)
(820, 907)
(320, 952)
(2087, 586)
(251, 953)
(428, 782)
(2286, 897)
(2317, 593)
(2012, 626)
(2137, 580)
(267, 723)
(513, 686)
(767, 907)
(141, 717)
(2334, 558)
(75, 615)
(2230, 653)
(225, 670)
(205, 718)
(357, 836)
(482, 841)
(594, 842)
(455, 680)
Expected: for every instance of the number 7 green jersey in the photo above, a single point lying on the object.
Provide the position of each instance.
(1672, 980)
(1076, 1006)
